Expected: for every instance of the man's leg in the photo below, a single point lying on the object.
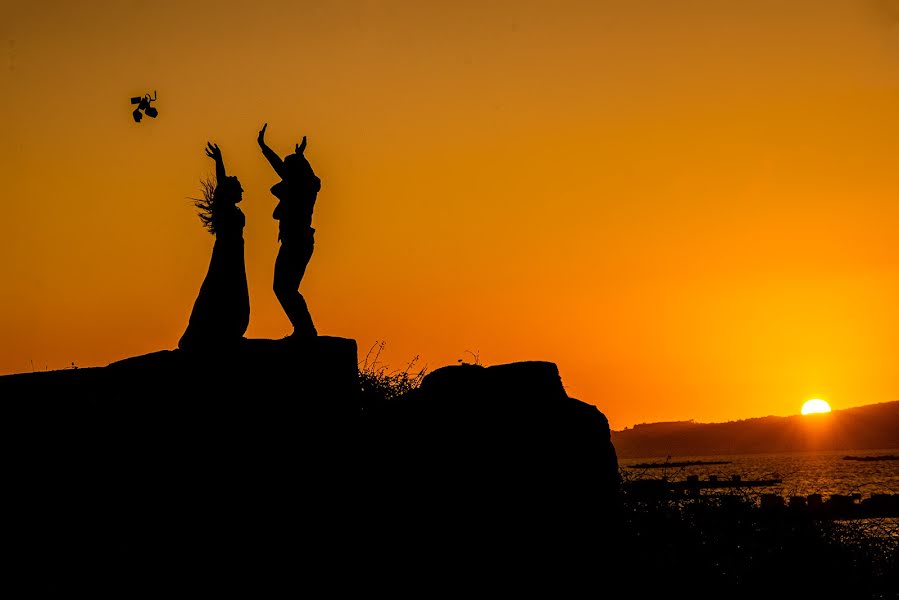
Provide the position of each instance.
(290, 266)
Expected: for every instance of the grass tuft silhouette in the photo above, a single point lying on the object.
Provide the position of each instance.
(379, 383)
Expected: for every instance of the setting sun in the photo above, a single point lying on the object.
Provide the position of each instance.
(815, 406)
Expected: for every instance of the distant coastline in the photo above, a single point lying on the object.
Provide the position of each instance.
(671, 464)
(872, 458)
(870, 427)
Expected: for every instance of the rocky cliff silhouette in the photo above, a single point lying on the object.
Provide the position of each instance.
(264, 468)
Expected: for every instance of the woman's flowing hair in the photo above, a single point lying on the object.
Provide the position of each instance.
(206, 205)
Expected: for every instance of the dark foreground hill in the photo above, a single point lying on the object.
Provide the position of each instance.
(870, 427)
(267, 467)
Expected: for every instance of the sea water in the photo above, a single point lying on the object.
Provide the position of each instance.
(800, 473)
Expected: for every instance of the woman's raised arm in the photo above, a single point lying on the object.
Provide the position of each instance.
(213, 152)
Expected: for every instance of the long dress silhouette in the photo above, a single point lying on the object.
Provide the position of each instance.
(221, 312)
(296, 194)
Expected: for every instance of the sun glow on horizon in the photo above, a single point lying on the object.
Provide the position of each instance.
(815, 405)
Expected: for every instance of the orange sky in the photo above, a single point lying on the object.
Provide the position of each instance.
(691, 207)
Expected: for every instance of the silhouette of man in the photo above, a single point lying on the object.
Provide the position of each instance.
(296, 194)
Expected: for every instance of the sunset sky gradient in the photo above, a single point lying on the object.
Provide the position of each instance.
(690, 207)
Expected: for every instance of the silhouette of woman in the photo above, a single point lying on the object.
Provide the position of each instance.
(296, 194)
(221, 312)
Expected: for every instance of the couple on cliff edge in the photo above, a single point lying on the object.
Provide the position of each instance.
(221, 312)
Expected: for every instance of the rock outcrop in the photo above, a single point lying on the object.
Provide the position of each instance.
(500, 463)
(262, 467)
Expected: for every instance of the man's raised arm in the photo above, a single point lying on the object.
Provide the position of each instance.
(273, 159)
